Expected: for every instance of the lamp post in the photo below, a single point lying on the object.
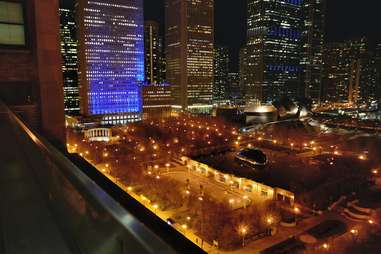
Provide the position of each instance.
(243, 231)
(296, 212)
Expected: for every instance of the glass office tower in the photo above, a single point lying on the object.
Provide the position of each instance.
(221, 71)
(69, 53)
(273, 49)
(313, 46)
(111, 43)
(189, 26)
(154, 57)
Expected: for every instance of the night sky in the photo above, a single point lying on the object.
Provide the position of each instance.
(346, 19)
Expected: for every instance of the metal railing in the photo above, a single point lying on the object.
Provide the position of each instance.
(92, 220)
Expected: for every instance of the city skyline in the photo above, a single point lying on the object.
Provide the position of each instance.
(190, 126)
(231, 32)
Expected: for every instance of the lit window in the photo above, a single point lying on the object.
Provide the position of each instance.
(12, 31)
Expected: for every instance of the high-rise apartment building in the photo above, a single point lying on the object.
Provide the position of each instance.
(312, 49)
(274, 49)
(69, 51)
(342, 70)
(221, 71)
(111, 59)
(154, 63)
(189, 52)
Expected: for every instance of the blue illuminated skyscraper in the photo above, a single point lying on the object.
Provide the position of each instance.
(273, 49)
(111, 52)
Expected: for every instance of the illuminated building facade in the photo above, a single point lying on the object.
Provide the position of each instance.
(368, 89)
(234, 92)
(189, 52)
(157, 101)
(377, 56)
(313, 46)
(243, 66)
(111, 51)
(342, 70)
(273, 49)
(221, 70)
(154, 59)
(70, 58)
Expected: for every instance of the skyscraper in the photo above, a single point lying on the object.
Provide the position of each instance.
(342, 70)
(243, 71)
(234, 89)
(68, 30)
(111, 52)
(157, 101)
(221, 70)
(189, 52)
(368, 86)
(313, 46)
(274, 49)
(154, 59)
(377, 56)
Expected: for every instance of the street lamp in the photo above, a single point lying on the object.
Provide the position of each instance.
(155, 206)
(270, 220)
(243, 231)
(231, 202)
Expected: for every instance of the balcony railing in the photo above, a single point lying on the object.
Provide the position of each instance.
(92, 214)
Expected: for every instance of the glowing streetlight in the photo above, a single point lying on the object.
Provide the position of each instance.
(243, 230)
(354, 231)
(269, 220)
